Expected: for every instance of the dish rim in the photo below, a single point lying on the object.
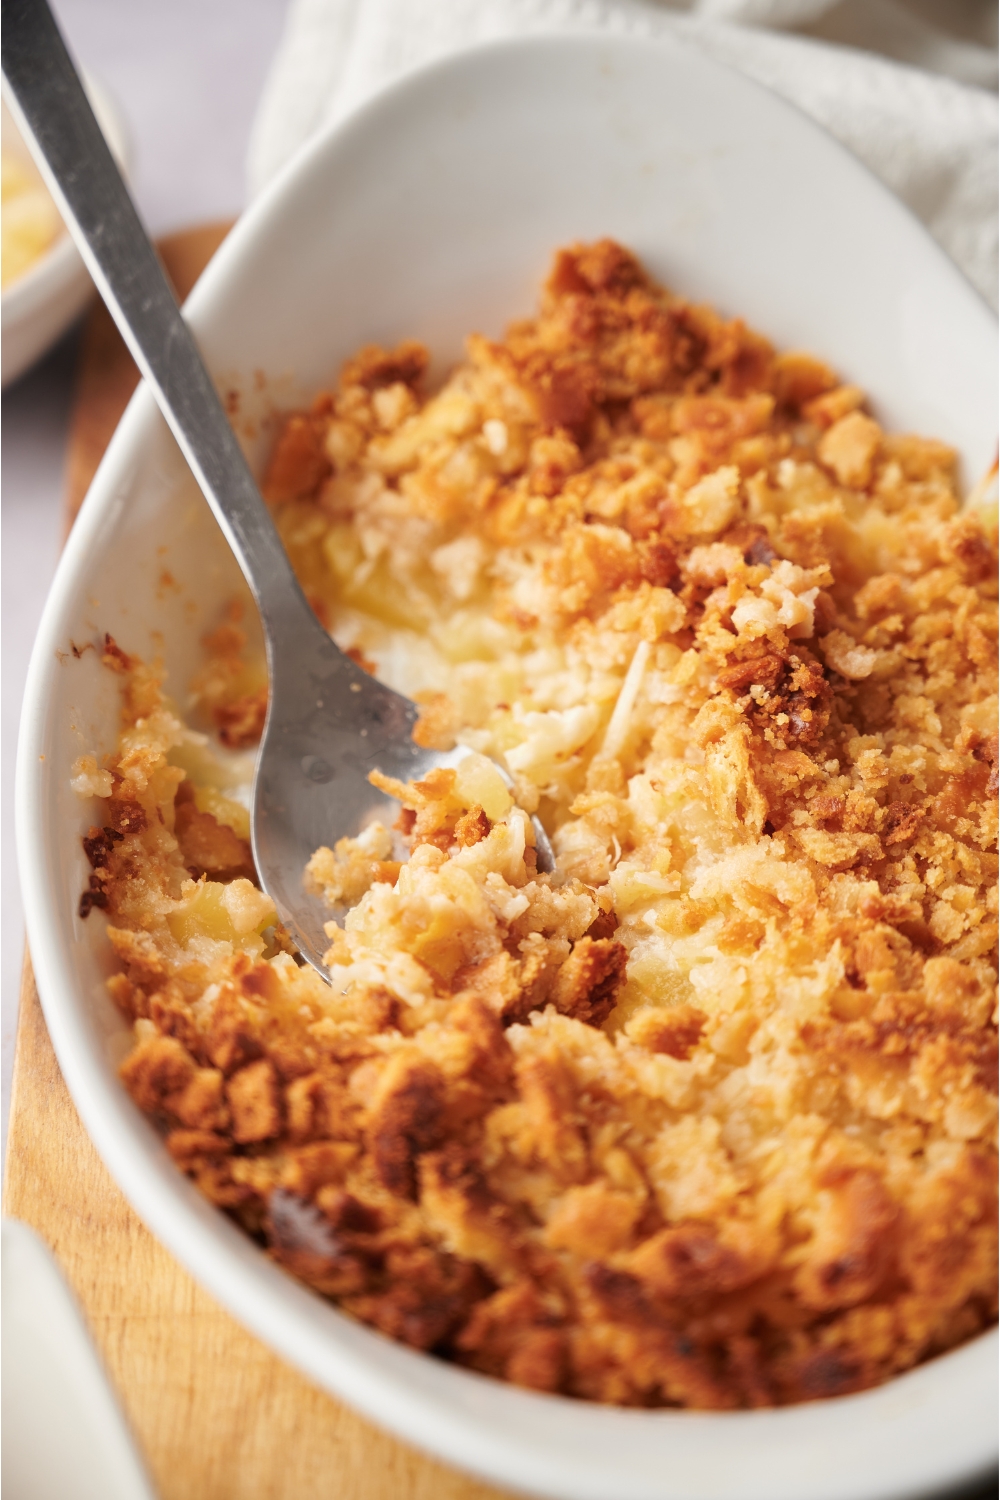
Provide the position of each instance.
(359, 1365)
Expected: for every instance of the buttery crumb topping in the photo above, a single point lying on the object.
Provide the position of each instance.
(707, 1118)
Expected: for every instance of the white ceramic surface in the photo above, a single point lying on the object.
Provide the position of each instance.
(40, 305)
(54, 1385)
(431, 212)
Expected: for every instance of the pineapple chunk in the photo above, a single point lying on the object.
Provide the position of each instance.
(236, 913)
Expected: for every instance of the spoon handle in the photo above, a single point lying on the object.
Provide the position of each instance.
(46, 96)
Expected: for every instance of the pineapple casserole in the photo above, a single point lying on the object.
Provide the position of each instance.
(707, 1117)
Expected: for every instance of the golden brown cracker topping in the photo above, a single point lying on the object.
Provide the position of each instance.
(708, 1117)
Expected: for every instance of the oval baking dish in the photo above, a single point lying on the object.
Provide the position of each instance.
(432, 211)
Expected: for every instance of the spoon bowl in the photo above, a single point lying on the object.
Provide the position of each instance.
(329, 725)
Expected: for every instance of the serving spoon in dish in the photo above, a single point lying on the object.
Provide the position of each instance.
(329, 724)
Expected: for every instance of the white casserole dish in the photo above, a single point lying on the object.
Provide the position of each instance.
(431, 212)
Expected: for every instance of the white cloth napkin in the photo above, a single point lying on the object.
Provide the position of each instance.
(907, 85)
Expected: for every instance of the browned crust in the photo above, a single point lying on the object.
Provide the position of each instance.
(509, 1152)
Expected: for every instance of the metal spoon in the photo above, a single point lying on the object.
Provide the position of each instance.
(328, 723)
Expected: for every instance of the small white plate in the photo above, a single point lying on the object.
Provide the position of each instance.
(64, 1437)
(40, 305)
(431, 212)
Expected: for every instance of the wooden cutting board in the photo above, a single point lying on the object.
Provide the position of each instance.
(217, 1415)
